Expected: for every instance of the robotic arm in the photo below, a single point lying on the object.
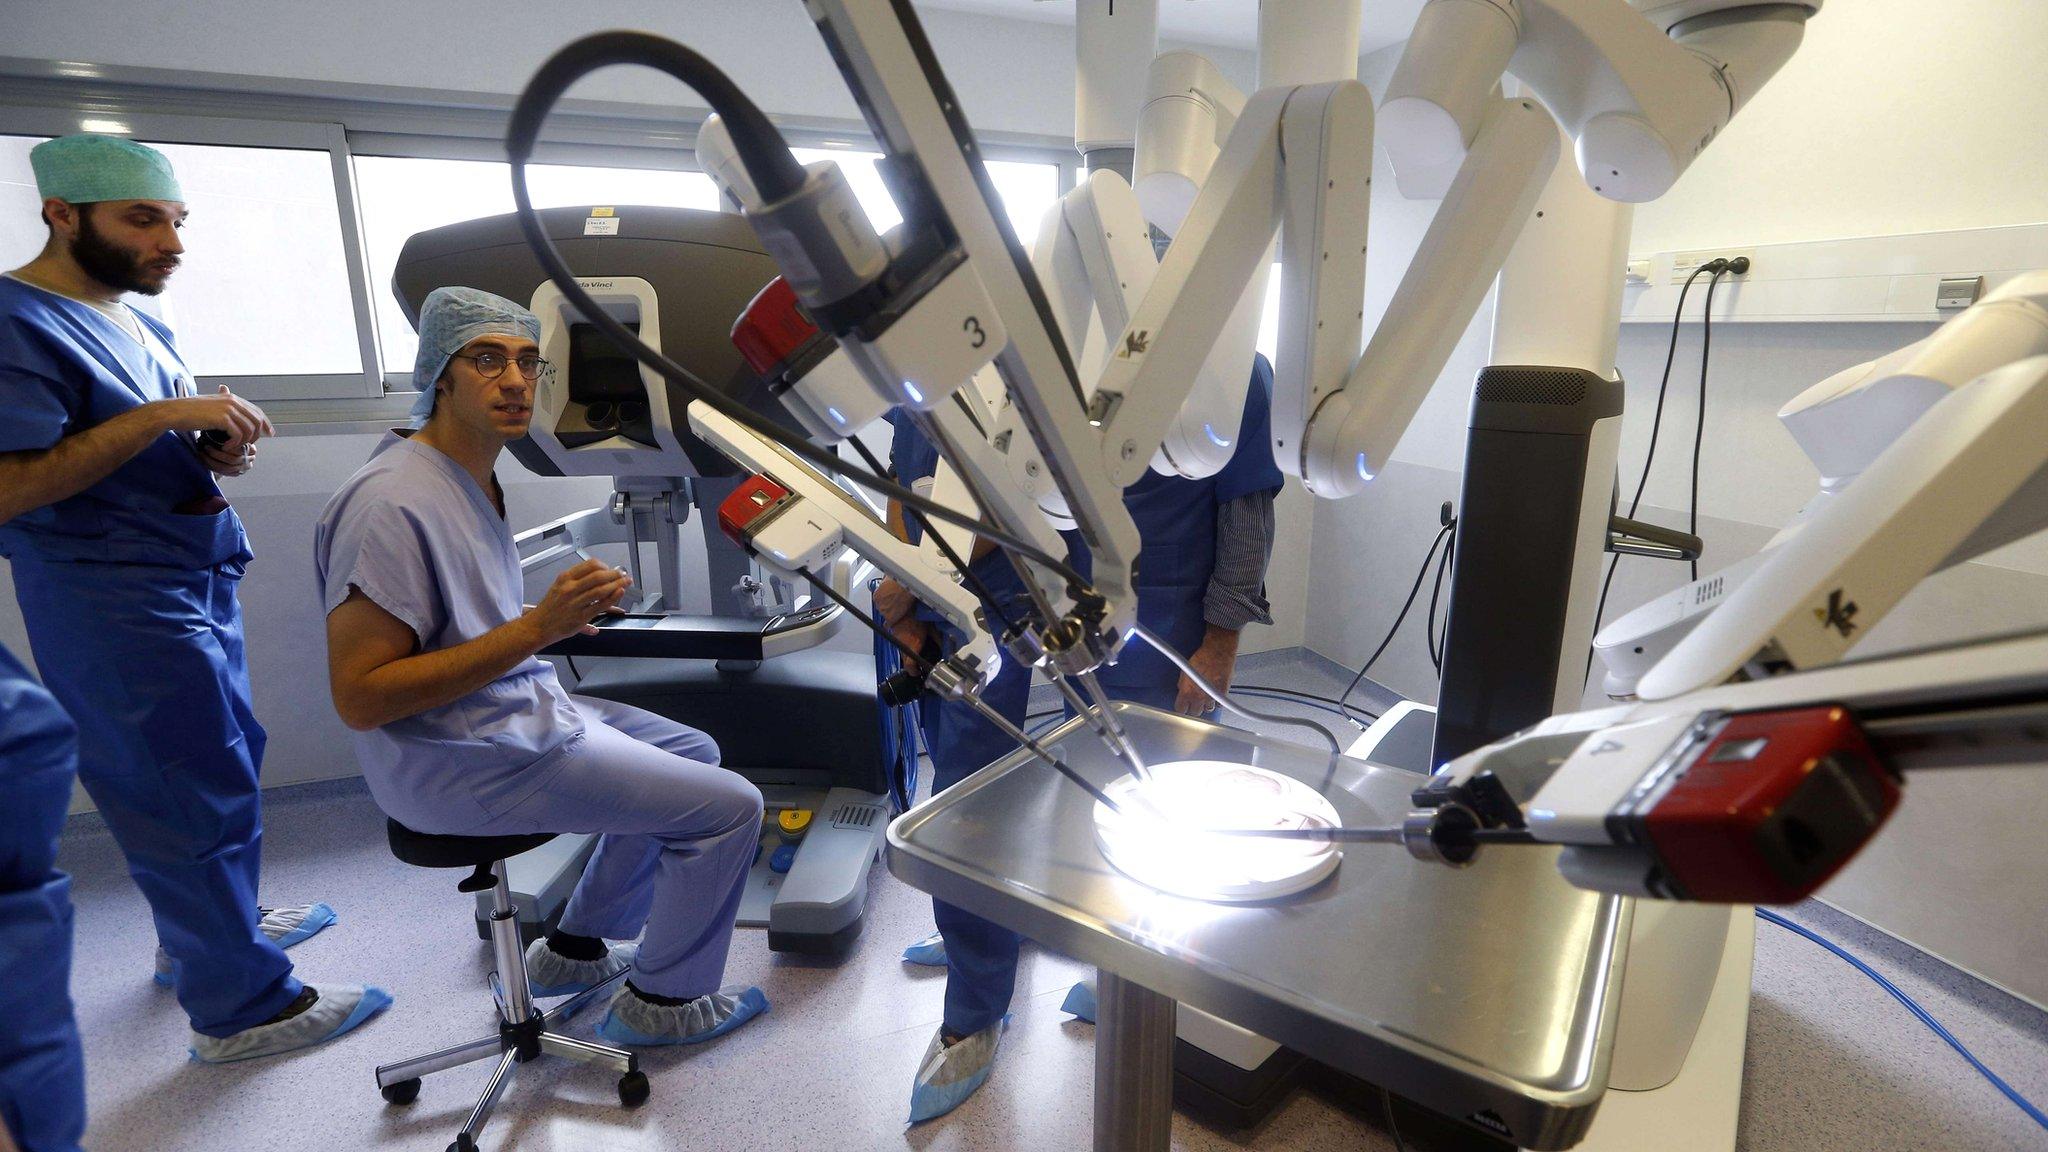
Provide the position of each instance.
(951, 291)
(1760, 792)
(1754, 793)
(1844, 424)
(1642, 86)
(797, 520)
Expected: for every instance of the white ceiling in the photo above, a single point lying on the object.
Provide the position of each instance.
(1233, 23)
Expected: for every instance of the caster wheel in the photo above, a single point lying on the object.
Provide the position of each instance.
(633, 1089)
(403, 1092)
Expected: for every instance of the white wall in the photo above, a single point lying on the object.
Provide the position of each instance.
(1010, 75)
(1894, 116)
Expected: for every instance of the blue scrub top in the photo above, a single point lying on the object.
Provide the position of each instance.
(65, 368)
(416, 534)
(1175, 516)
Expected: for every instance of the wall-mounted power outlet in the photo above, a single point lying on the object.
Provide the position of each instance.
(1683, 263)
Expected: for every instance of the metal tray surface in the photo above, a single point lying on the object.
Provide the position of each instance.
(1487, 993)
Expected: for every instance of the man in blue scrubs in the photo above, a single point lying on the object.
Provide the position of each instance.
(1201, 574)
(42, 1072)
(462, 730)
(125, 559)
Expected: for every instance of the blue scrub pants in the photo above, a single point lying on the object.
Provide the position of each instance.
(42, 1070)
(679, 836)
(981, 956)
(149, 661)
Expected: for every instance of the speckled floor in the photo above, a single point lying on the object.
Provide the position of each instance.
(1833, 1062)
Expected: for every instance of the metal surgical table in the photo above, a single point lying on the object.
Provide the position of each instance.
(1486, 994)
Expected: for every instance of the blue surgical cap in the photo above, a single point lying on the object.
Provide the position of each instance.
(89, 168)
(451, 318)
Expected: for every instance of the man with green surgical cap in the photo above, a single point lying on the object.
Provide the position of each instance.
(125, 561)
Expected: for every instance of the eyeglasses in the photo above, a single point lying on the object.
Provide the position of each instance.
(491, 365)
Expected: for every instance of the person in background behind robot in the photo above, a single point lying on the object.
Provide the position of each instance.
(1204, 545)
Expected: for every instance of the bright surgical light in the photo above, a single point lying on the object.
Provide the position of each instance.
(910, 389)
(1168, 834)
(1209, 430)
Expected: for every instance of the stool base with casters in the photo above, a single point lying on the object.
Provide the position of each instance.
(524, 1033)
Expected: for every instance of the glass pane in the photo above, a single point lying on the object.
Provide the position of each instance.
(402, 195)
(1028, 190)
(264, 288)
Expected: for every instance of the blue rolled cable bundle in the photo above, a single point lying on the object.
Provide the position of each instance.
(2027, 1106)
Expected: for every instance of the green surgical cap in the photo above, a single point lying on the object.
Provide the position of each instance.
(88, 169)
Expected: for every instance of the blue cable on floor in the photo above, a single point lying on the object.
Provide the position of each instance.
(2011, 1093)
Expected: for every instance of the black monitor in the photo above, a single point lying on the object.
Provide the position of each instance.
(600, 370)
(705, 268)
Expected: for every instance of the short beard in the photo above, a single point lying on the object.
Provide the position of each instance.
(106, 262)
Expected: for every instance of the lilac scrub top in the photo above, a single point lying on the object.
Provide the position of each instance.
(417, 535)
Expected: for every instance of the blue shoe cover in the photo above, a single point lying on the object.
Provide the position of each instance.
(298, 924)
(929, 952)
(948, 1076)
(549, 973)
(637, 1023)
(284, 926)
(338, 1011)
(1080, 1001)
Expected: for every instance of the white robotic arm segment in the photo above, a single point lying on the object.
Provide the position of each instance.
(1752, 793)
(1634, 148)
(922, 373)
(1203, 435)
(1642, 92)
(1189, 112)
(821, 518)
(804, 368)
(1911, 513)
(1442, 89)
(1094, 259)
(829, 251)
(1294, 157)
(1225, 239)
(720, 159)
(1747, 41)
(1843, 424)
(1338, 439)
